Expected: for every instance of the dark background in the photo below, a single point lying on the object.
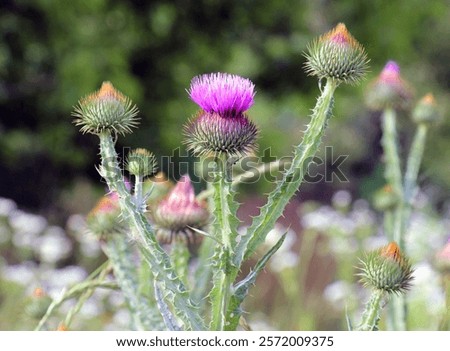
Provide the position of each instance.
(54, 52)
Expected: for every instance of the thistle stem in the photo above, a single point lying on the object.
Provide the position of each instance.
(223, 231)
(138, 193)
(412, 170)
(371, 315)
(156, 257)
(393, 172)
(292, 178)
(395, 226)
(126, 274)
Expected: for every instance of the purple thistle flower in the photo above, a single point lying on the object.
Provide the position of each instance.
(225, 94)
(179, 212)
(221, 126)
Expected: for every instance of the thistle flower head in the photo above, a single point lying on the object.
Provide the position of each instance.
(387, 269)
(385, 198)
(104, 219)
(425, 110)
(178, 213)
(337, 55)
(388, 90)
(141, 162)
(105, 110)
(38, 304)
(221, 126)
(225, 94)
(211, 134)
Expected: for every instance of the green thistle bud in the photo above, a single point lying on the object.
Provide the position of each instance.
(337, 55)
(386, 269)
(211, 134)
(425, 110)
(104, 218)
(385, 198)
(39, 304)
(105, 110)
(141, 163)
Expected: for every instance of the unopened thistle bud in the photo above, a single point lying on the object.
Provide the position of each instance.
(388, 90)
(39, 304)
(221, 126)
(387, 269)
(141, 162)
(106, 110)
(337, 55)
(178, 213)
(426, 110)
(385, 198)
(104, 218)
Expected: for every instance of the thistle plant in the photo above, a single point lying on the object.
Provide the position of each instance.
(390, 93)
(166, 237)
(387, 272)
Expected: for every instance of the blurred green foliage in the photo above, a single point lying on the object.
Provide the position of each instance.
(54, 52)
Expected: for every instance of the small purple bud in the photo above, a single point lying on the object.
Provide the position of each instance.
(179, 212)
(389, 90)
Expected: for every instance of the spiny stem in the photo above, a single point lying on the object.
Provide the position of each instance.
(393, 175)
(138, 193)
(156, 257)
(245, 176)
(292, 178)
(126, 273)
(371, 315)
(223, 231)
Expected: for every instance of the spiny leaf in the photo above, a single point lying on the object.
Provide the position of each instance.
(241, 289)
(167, 316)
(120, 254)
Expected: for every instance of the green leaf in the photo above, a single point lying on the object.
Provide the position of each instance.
(169, 319)
(241, 289)
(120, 253)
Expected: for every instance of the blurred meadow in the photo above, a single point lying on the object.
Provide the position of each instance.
(54, 52)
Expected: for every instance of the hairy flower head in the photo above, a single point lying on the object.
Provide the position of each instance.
(337, 55)
(210, 134)
(387, 269)
(104, 218)
(426, 110)
(105, 110)
(221, 126)
(178, 213)
(228, 95)
(141, 162)
(388, 90)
